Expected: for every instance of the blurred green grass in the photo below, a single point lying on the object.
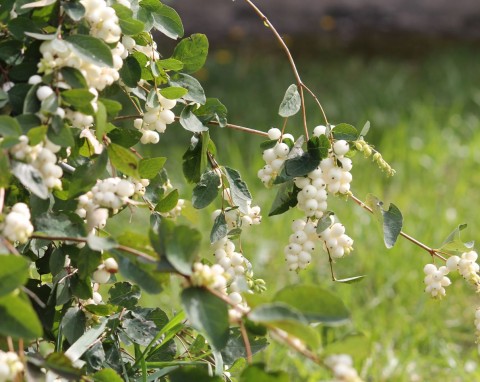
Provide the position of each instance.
(424, 114)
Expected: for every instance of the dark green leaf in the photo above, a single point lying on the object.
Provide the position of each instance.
(131, 72)
(85, 342)
(76, 11)
(235, 348)
(167, 203)
(192, 160)
(193, 52)
(167, 21)
(150, 167)
(85, 176)
(138, 329)
(145, 275)
(124, 294)
(291, 102)
(190, 121)
(195, 91)
(13, 273)
(238, 190)
(73, 324)
(91, 49)
(315, 303)
(59, 224)
(391, 219)
(285, 199)
(345, 131)
(18, 319)
(125, 137)
(257, 373)
(124, 160)
(219, 229)
(208, 314)
(212, 110)
(325, 221)
(206, 190)
(191, 374)
(87, 262)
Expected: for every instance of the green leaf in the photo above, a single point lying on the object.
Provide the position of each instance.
(257, 373)
(208, 314)
(18, 319)
(190, 121)
(170, 64)
(129, 25)
(5, 174)
(9, 127)
(167, 203)
(206, 190)
(195, 91)
(235, 348)
(106, 375)
(150, 167)
(365, 129)
(36, 135)
(219, 229)
(20, 25)
(190, 374)
(126, 137)
(31, 178)
(180, 245)
(315, 303)
(77, 97)
(325, 221)
(391, 219)
(317, 149)
(76, 11)
(238, 190)
(131, 72)
(113, 107)
(291, 102)
(285, 199)
(102, 310)
(192, 51)
(173, 92)
(167, 21)
(97, 243)
(59, 224)
(73, 324)
(454, 244)
(124, 160)
(73, 77)
(86, 175)
(145, 275)
(192, 160)
(88, 261)
(91, 49)
(212, 110)
(124, 294)
(345, 131)
(275, 313)
(13, 273)
(138, 329)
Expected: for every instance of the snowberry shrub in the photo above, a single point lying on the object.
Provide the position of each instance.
(83, 89)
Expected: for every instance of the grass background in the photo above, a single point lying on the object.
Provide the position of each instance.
(424, 114)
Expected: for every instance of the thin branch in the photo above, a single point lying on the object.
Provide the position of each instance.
(317, 101)
(246, 342)
(284, 46)
(425, 247)
(120, 247)
(241, 128)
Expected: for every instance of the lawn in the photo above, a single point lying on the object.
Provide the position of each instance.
(424, 115)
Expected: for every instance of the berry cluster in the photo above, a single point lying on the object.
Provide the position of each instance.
(312, 199)
(17, 227)
(342, 368)
(155, 120)
(235, 218)
(436, 280)
(298, 252)
(335, 241)
(213, 276)
(274, 157)
(103, 20)
(103, 272)
(175, 211)
(110, 193)
(467, 266)
(10, 366)
(42, 157)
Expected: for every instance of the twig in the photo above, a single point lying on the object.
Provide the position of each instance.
(317, 101)
(120, 247)
(284, 46)
(246, 342)
(425, 247)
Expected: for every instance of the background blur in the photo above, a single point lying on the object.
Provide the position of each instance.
(409, 67)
